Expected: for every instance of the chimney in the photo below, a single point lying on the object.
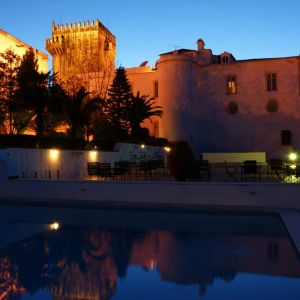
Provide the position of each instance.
(200, 44)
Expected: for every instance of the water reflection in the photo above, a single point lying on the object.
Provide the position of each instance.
(85, 263)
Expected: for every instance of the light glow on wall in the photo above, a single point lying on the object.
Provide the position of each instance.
(167, 149)
(54, 154)
(54, 226)
(93, 156)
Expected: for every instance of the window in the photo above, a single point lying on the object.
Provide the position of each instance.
(271, 82)
(232, 107)
(272, 106)
(225, 59)
(131, 86)
(156, 129)
(231, 85)
(286, 138)
(155, 88)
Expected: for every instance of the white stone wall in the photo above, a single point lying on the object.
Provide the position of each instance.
(64, 164)
(70, 164)
(8, 41)
(194, 96)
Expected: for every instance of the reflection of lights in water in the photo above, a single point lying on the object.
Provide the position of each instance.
(54, 226)
(152, 264)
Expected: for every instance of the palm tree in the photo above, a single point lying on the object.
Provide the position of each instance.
(138, 110)
(78, 110)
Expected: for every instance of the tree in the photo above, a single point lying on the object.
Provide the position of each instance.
(79, 110)
(32, 93)
(119, 95)
(9, 64)
(138, 110)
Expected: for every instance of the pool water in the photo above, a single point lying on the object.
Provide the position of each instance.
(118, 255)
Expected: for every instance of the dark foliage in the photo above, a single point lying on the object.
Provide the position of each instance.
(139, 109)
(180, 161)
(32, 92)
(31, 141)
(119, 95)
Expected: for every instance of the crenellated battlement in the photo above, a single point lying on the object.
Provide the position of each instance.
(81, 48)
(58, 29)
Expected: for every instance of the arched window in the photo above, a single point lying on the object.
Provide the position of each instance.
(272, 106)
(232, 107)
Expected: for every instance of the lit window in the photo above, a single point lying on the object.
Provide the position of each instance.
(271, 82)
(231, 85)
(155, 87)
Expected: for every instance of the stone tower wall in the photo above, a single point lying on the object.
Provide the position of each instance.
(85, 50)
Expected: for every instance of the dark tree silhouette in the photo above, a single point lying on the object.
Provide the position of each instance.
(78, 110)
(119, 95)
(9, 64)
(32, 92)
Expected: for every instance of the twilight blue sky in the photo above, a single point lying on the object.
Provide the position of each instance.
(144, 29)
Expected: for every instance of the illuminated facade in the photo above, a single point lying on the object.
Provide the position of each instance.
(8, 41)
(215, 102)
(84, 52)
(220, 104)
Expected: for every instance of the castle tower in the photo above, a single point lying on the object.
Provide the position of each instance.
(82, 50)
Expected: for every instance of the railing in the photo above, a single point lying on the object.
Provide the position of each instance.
(217, 172)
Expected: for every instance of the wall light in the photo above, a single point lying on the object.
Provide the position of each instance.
(293, 156)
(143, 146)
(54, 226)
(53, 154)
(167, 149)
(93, 155)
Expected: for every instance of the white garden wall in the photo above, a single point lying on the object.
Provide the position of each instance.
(71, 164)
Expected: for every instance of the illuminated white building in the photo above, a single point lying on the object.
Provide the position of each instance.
(219, 103)
(7, 41)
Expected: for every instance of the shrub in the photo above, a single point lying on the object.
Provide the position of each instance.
(180, 161)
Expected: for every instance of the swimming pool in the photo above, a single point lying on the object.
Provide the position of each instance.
(98, 254)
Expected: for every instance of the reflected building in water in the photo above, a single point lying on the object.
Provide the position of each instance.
(77, 263)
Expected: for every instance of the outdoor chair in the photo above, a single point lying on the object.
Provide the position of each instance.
(121, 168)
(201, 170)
(104, 170)
(277, 168)
(92, 169)
(231, 171)
(249, 170)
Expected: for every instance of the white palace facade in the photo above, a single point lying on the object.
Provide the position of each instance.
(219, 104)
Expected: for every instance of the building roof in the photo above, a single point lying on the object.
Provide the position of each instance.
(181, 51)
